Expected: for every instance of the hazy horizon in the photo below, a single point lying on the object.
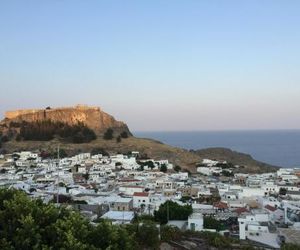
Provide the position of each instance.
(157, 65)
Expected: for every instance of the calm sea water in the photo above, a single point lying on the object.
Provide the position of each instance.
(277, 147)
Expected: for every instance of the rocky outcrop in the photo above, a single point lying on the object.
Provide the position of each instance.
(93, 117)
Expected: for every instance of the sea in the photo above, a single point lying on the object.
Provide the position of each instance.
(275, 147)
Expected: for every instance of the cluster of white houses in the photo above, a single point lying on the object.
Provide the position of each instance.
(263, 208)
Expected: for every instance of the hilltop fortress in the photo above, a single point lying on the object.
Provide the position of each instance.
(15, 113)
(93, 117)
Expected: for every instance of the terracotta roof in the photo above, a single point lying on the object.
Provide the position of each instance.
(241, 210)
(270, 208)
(128, 180)
(220, 205)
(131, 186)
(143, 194)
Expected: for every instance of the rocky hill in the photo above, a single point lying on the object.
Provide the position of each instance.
(92, 117)
(100, 121)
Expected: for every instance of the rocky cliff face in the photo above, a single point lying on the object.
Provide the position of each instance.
(93, 117)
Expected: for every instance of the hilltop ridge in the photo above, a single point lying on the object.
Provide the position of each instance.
(92, 117)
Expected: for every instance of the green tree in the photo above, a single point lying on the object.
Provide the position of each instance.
(149, 164)
(211, 223)
(97, 151)
(106, 236)
(184, 199)
(124, 134)
(173, 210)
(163, 168)
(118, 164)
(290, 246)
(227, 173)
(18, 137)
(4, 138)
(118, 139)
(109, 134)
(47, 130)
(143, 218)
(177, 168)
(170, 233)
(147, 234)
(30, 224)
(62, 153)
(282, 191)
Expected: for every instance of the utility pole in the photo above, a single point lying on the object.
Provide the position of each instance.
(57, 195)
(168, 210)
(123, 215)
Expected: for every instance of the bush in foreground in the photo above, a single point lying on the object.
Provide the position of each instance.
(31, 224)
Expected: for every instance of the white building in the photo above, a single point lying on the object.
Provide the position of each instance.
(141, 200)
(119, 217)
(195, 222)
(253, 223)
(130, 190)
(250, 192)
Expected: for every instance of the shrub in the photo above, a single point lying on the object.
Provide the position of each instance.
(212, 223)
(227, 173)
(147, 235)
(170, 233)
(290, 246)
(163, 168)
(18, 137)
(144, 218)
(149, 164)
(4, 138)
(118, 139)
(177, 168)
(14, 125)
(124, 134)
(109, 134)
(97, 151)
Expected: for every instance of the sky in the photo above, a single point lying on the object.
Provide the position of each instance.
(157, 65)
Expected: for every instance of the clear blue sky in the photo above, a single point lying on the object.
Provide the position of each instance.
(158, 65)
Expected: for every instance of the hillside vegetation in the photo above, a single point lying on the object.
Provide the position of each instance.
(47, 130)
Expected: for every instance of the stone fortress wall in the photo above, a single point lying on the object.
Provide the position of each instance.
(21, 112)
